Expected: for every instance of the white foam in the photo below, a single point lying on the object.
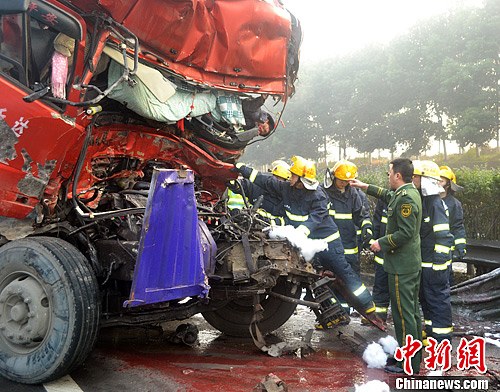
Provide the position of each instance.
(389, 344)
(372, 386)
(374, 356)
(307, 246)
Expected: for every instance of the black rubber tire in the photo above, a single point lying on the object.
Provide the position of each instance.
(235, 316)
(69, 308)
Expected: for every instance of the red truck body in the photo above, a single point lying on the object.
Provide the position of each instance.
(96, 99)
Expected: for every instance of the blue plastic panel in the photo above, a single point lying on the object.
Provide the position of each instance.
(170, 260)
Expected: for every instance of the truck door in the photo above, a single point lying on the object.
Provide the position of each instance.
(36, 137)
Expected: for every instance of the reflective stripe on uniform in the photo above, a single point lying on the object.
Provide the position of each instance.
(297, 218)
(331, 212)
(358, 232)
(384, 219)
(441, 248)
(360, 290)
(332, 237)
(264, 213)
(441, 227)
(379, 260)
(426, 265)
(343, 216)
(370, 310)
(365, 222)
(273, 218)
(253, 175)
(460, 241)
(428, 322)
(441, 267)
(352, 251)
(442, 331)
(380, 310)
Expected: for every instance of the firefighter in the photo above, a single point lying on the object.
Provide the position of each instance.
(306, 208)
(436, 243)
(456, 213)
(271, 209)
(401, 245)
(347, 210)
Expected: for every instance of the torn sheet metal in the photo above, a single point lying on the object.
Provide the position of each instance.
(235, 44)
(13, 229)
(8, 140)
(31, 184)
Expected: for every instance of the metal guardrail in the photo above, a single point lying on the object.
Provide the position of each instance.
(483, 253)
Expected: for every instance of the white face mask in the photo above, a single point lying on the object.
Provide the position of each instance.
(430, 186)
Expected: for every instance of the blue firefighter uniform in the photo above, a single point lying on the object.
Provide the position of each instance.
(365, 232)
(457, 228)
(347, 210)
(271, 208)
(381, 295)
(436, 242)
(308, 210)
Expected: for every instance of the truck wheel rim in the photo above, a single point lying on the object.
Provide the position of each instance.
(24, 312)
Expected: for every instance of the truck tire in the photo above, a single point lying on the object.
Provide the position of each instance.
(49, 309)
(235, 316)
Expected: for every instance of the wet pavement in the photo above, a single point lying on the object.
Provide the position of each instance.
(145, 360)
(138, 359)
(221, 363)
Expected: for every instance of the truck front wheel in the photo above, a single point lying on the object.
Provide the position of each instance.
(235, 316)
(49, 309)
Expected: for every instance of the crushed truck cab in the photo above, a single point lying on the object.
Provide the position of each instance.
(120, 123)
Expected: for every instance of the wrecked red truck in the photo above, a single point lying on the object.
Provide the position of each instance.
(120, 123)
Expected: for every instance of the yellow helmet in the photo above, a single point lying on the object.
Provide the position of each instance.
(345, 170)
(426, 169)
(446, 172)
(281, 169)
(306, 170)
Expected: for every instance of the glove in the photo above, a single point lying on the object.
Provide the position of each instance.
(366, 235)
(237, 167)
(458, 254)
